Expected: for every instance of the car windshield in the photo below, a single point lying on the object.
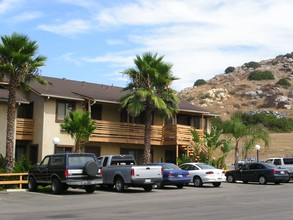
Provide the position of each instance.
(77, 160)
(205, 166)
(170, 167)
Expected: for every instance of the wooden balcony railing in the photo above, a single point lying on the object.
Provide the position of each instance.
(24, 129)
(116, 132)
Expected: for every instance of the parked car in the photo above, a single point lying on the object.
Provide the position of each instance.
(121, 171)
(258, 172)
(65, 170)
(202, 173)
(283, 162)
(173, 175)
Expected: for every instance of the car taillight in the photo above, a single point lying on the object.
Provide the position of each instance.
(170, 175)
(66, 173)
(132, 172)
(100, 172)
(210, 172)
(275, 171)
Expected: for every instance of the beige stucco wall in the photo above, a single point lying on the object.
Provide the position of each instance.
(110, 112)
(3, 119)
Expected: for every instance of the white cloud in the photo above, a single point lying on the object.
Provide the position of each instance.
(7, 5)
(69, 28)
(68, 57)
(26, 16)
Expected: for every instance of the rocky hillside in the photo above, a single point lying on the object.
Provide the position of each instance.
(231, 92)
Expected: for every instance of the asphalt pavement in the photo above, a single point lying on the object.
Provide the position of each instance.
(229, 201)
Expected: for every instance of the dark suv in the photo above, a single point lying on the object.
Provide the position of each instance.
(66, 170)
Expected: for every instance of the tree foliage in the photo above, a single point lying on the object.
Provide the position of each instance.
(80, 126)
(252, 64)
(283, 82)
(149, 90)
(19, 65)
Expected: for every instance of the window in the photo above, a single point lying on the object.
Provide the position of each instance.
(96, 112)
(197, 122)
(288, 160)
(277, 162)
(58, 161)
(63, 109)
(63, 149)
(183, 119)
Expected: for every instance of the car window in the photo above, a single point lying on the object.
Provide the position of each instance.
(45, 162)
(184, 167)
(205, 166)
(57, 161)
(277, 162)
(288, 160)
(193, 168)
(269, 161)
(77, 160)
(170, 167)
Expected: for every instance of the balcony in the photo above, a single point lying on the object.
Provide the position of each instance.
(114, 132)
(24, 129)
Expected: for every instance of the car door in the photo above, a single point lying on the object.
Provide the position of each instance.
(244, 173)
(41, 171)
(254, 172)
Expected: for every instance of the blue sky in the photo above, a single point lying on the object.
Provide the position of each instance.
(95, 40)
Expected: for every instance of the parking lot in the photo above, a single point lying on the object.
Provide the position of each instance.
(230, 201)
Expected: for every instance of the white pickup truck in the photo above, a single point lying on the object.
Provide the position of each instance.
(120, 171)
(283, 162)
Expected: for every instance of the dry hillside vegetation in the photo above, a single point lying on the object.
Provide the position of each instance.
(226, 94)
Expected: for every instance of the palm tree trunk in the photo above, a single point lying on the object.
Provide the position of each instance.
(147, 136)
(236, 155)
(11, 109)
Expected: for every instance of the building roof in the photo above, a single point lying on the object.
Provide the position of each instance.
(19, 98)
(79, 90)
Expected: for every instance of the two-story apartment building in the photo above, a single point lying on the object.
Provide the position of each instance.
(42, 109)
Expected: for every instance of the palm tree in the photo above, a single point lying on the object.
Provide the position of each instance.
(239, 131)
(19, 65)
(80, 126)
(149, 91)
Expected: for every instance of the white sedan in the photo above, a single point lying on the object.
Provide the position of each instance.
(201, 173)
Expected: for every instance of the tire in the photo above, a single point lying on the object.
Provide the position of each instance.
(32, 185)
(262, 180)
(119, 184)
(180, 186)
(245, 182)
(56, 186)
(230, 178)
(277, 182)
(161, 186)
(197, 181)
(90, 188)
(148, 188)
(91, 168)
(217, 184)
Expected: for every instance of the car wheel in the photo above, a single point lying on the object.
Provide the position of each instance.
(197, 181)
(180, 186)
(161, 186)
(148, 188)
(91, 168)
(90, 188)
(56, 186)
(119, 184)
(230, 179)
(32, 185)
(217, 184)
(262, 180)
(245, 181)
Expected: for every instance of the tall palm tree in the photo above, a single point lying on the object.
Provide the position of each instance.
(19, 65)
(149, 90)
(80, 126)
(239, 131)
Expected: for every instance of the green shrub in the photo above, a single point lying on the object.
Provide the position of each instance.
(289, 55)
(22, 165)
(283, 82)
(268, 120)
(199, 82)
(252, 64)
(261, 75)
(2, 164)
(229, 69)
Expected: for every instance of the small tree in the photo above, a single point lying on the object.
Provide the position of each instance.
(230, 69)
(80, 126)
(199, 82)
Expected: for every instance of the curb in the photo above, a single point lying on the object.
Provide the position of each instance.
(16, 190)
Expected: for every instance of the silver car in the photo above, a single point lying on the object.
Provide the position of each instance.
(202, 173)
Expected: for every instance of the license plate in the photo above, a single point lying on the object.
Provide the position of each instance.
(147, 181)
(180, 175)
(282, 172)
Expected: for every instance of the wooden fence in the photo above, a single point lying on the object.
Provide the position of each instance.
(13, 179)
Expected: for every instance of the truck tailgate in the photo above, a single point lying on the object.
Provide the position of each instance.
(147, 171)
